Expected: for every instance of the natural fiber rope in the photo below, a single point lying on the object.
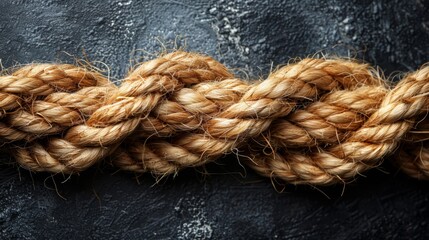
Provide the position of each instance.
(317, 121)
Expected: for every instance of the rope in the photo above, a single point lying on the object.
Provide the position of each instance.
(316, 121)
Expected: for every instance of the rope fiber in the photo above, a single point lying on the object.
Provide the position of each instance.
(316, 121)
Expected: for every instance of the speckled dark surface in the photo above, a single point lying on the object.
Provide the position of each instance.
(248, 36)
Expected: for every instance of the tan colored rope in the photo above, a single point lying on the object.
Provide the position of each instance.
(317, 121)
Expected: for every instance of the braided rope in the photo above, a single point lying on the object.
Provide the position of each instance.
(317, 121)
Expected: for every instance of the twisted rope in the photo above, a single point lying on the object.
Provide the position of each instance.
(317, 121)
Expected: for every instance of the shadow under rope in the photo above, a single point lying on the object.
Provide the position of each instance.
(226, 172)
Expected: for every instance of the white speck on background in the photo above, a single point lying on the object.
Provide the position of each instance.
(198, 226)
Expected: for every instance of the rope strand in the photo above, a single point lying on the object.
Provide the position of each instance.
(317, 121)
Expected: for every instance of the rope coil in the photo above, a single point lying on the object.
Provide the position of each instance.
(317, 121)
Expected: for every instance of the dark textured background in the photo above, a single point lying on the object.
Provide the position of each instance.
(249, 36)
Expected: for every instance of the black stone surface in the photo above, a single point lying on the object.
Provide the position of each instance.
(250, 37)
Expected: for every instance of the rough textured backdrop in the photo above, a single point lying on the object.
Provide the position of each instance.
(249, 36)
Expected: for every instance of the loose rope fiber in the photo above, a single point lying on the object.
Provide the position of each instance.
(316, 121)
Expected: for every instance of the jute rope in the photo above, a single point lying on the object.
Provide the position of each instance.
(317, 121)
